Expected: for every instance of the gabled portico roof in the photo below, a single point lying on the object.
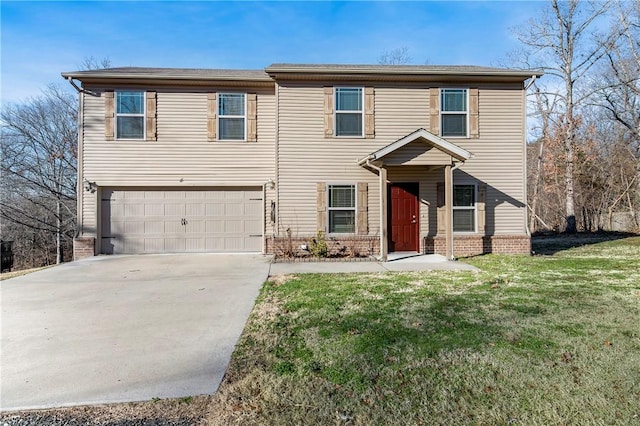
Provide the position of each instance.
(421, 135)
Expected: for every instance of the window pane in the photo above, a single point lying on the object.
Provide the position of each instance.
(342, 221)
(130, 127)
(463, 195)
(454, 100)
(231, 104)
(454, 125)
(342, 196)
(348, 99)
(231, 128)
(463, 220)
(130, 102)
(349, 124)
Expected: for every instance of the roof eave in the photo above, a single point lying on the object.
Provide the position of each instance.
(82, 76)
(397, 72)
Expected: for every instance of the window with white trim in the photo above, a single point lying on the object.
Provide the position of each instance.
(232, 116)
(464, 208)
(454, 112)
(342, 209)
(349, 111)
(130, 115)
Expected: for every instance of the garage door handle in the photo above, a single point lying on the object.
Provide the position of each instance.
(184, 222)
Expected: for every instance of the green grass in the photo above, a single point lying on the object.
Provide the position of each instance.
(537, 340)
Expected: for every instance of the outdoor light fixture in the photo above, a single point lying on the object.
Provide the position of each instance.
(90, 186)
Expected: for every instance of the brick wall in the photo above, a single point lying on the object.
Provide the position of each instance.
(351, 246)
(83, 247)
(472, 245)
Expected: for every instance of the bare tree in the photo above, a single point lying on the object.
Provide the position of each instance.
(563, 43)
(38, 173)
(91, 63)
(620, 79)
(39, 143)
(397, 56)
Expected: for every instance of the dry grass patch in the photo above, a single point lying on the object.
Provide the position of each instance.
(13, 274)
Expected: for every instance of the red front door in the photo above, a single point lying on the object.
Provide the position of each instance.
(404, 217)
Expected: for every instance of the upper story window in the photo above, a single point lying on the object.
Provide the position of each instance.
(453, 112)
(464, 208)
(342, 209)
(349, 112)
(130, 115)
(232, 116)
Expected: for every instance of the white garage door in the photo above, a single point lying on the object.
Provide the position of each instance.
(174, 221)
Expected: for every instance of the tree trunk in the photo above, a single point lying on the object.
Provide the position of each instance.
(58, 233)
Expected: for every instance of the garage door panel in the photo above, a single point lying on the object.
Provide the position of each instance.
(233, 209)
(214, 226)
(193, 209)
(214, 209)
(154, 227)
(195, 227)
(152, 221)
(134, 227)
(253, 227)
(233, 226)
(253, 209)
(152, 245)
(174, 209)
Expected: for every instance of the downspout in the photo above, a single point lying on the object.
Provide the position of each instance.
(264, 217)
(457, 166)
(381, 214)
(524, 148)
(276, 224)
(80, 89)
(533, 80)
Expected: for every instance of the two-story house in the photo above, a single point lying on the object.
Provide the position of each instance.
(427, 159)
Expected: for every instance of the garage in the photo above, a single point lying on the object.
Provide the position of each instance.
(146, 220)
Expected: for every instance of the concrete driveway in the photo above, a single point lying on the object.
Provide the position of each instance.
(123, 328)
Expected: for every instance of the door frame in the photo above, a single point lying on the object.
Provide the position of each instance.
(415, 191)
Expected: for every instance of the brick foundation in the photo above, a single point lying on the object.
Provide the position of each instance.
(472, 245)
(83, 247)
(350, 246)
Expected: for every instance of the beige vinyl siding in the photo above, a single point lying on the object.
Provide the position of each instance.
(181, 156)
(498, 158)
(307, 157)
(417, 153)
(399, 111)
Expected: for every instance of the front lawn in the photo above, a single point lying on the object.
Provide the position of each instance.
(529, 340)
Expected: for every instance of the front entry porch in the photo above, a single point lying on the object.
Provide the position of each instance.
(400, 167)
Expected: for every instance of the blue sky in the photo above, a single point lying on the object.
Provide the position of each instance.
(40, 39)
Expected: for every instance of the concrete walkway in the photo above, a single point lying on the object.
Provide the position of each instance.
(407, 262)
